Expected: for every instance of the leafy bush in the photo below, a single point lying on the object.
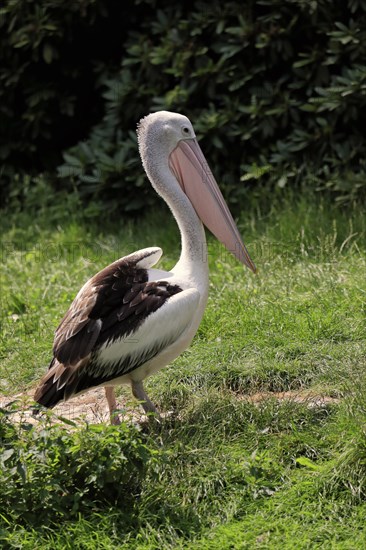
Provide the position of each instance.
(51, 59)
(51, 472)
(276, 91)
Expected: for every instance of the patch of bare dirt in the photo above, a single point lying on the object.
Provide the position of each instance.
(90, 407)
(308, 397)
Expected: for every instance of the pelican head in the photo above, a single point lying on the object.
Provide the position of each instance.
(163, 130)
(169, 138)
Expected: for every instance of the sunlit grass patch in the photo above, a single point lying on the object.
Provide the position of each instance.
(263, 443)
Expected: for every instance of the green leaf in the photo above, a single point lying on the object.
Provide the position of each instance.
(47, 53)
(307, 463)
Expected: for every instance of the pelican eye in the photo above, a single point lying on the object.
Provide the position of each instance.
(186, 131)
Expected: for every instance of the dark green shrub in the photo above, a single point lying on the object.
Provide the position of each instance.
(54, 472)
(276, 91)
(52, 55)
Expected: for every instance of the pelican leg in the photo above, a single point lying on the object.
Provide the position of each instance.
(140, 394)
(112, 404)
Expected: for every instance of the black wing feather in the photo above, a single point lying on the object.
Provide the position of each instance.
(112, 305)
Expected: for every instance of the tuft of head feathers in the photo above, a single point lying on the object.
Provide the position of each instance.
(163, 129)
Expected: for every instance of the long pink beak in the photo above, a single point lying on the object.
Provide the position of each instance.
(190, 167)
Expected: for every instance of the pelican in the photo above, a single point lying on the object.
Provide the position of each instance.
(130, 320)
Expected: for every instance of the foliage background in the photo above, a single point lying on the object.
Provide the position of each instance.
(276, 92)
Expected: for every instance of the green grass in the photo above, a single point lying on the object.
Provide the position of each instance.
(222, 471)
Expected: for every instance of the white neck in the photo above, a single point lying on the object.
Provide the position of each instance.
(193, 258)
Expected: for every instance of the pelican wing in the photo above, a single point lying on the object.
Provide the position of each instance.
(120, 295)
(114, 359)
(119, 321)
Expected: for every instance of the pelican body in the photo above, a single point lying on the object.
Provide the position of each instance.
(130, 319)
